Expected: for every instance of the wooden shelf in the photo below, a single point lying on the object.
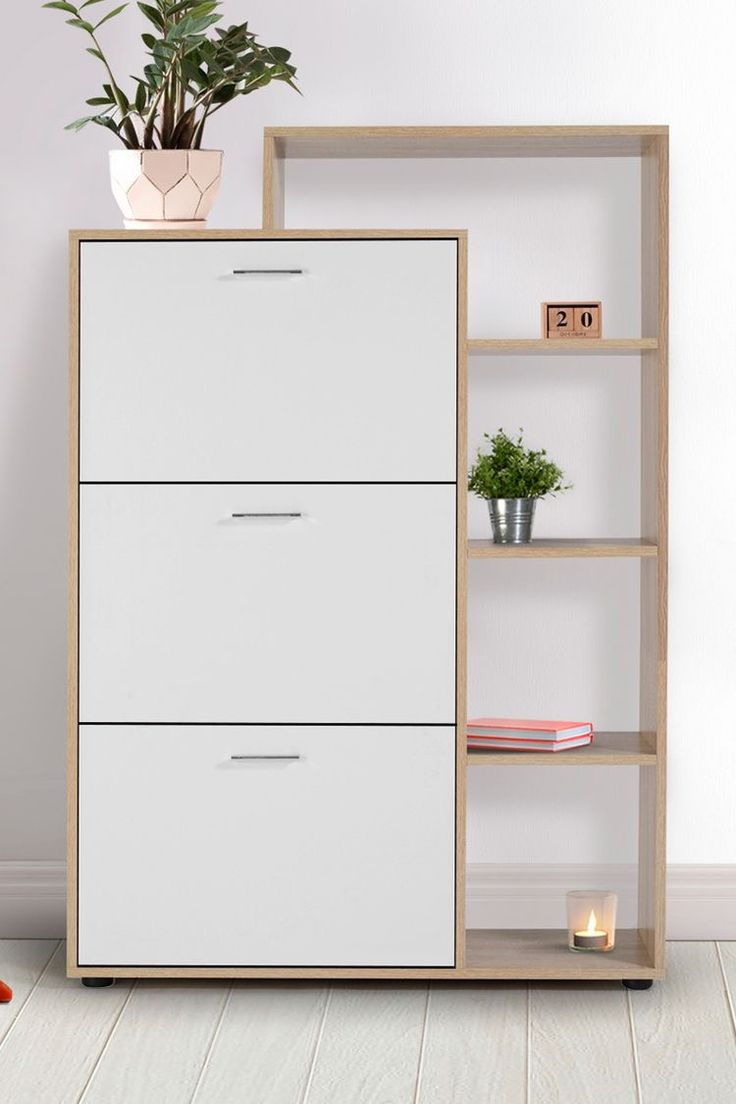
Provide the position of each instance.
(570, 346)
(543, 953)
(624, 546)
(462, 141)
(609, 749)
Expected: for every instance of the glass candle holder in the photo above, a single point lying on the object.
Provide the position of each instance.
(591, 920)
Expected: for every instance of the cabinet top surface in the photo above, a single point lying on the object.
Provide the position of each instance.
(261, 235)
(465, 141)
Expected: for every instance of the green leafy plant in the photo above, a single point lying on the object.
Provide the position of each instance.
(188, 78)
(509, 470)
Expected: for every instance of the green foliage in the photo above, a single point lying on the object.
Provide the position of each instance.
(510, 470)
(187, 78)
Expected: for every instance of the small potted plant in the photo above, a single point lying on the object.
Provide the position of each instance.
(511, 478)
(162, 176)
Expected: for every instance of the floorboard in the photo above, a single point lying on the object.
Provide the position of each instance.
(48, 1056)
(22, 962)
(581, 1037)
(153, 1042)
(727, 955)
(475, 1045)
(167, 1028)
(684, 1033)
(265, 1046)
(369, 1051)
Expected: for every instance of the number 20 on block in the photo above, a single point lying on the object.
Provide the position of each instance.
(571, 319)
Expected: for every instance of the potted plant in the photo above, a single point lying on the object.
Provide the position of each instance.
(511, 478)
(162, 176)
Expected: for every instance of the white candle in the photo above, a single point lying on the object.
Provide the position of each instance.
(591, 938)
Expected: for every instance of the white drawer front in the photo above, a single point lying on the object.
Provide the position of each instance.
(344, 614)
(341, 857)
(344, 372)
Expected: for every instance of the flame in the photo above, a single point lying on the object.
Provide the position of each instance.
(591, 923)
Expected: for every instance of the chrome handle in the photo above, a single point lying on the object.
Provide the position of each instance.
(266, 515)
(268, 272)
(290, 758)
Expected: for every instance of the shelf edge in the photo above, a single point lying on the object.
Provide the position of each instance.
(487, 550)
(482, 346)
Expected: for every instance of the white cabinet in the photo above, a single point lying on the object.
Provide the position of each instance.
(342, 855)
(265, 603)
(342, 609)
(342, 367)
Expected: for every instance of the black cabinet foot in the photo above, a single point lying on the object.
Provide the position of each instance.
(97, 983)
(637, 983)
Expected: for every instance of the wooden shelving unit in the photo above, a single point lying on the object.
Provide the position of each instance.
(639, 953)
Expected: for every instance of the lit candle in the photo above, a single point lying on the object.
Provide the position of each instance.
(590, 939)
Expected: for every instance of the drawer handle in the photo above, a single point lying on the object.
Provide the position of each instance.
(267, 515)
(268, 272)
(290, 758)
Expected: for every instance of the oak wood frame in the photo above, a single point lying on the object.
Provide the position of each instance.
(281, 144)
(497, 954)
(73, 969)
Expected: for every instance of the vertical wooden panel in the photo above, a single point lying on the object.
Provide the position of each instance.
(653, 639)
(462, 594)
(72, 641)
(649, 888)
(273, 184)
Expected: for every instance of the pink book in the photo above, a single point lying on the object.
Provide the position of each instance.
(547, 746)
(518, 729)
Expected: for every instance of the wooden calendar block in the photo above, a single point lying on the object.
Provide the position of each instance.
(572, 319)
(587, 320)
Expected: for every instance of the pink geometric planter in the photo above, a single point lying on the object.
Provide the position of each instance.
(165, 189)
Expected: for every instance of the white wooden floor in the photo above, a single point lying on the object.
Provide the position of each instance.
(151, 1042)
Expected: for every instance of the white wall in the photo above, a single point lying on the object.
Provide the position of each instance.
(422, 62)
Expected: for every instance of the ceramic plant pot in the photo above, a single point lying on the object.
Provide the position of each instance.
(511, 519)
(165, 189)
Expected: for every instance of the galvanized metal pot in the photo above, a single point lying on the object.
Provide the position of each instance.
(511, 519)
